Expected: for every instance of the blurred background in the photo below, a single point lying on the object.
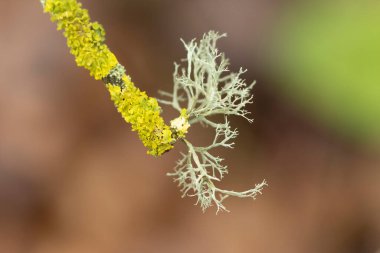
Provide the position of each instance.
(75, 179)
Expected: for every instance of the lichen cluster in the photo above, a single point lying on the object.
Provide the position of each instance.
(202, 89)
(86, 42)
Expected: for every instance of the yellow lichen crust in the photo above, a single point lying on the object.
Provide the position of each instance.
(143, 113)
(86, 42)
(84, 38)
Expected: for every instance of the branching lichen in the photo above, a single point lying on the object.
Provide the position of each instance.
(206, 88)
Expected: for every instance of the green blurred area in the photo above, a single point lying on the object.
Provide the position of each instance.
(328, 58)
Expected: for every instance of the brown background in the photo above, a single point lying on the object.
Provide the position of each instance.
(74, 178)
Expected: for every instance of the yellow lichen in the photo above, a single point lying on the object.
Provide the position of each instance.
(84, 38)
(143, 113)
(86, 42)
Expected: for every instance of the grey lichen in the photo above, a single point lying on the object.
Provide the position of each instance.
(206, 88)
(116, 76)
